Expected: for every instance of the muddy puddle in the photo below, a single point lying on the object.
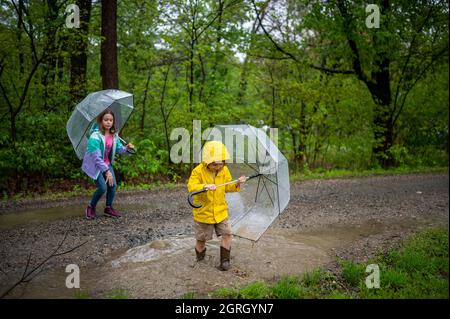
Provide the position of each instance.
(37, 215)
(167, 268)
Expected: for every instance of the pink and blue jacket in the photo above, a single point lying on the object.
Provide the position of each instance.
(93, 160)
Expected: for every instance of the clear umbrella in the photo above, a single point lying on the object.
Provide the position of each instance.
(83, 118)
(264, 197)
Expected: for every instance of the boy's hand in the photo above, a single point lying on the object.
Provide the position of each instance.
(242, 179)
(210, 187)
(129, 146)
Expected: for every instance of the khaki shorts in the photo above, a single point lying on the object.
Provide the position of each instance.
(204, 232)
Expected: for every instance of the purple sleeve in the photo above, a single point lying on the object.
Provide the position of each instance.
(99, 162)
(121, 149)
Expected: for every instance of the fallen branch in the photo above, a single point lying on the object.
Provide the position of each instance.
(27, 275)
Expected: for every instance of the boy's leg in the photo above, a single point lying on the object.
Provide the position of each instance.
(200, 250)
(203, 232)
(223, 229)
(200, 245)
(226, 241)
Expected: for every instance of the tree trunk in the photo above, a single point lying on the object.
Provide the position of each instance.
(379, 86)
(145, 101)
(78, 58)
(218, 54)
(13, 128)
(380, 90)
(191, 75)
(109, 69)
(49, 62)
(301, 151)
(243, 82)
(19, 35)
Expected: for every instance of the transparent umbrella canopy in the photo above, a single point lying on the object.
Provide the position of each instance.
(85, 114)
(261, 199)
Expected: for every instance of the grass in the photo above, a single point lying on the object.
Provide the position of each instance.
(78, 191)
(117, 294)
(321, 173)
(306, 174)
(113, 294)
(418, 269)
(188, 295)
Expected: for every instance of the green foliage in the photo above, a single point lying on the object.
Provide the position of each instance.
(353, 273)
(147, 160)
(181, 65)
(287, 288)
(225, 293)
(117, 294)
(256, 290)
(417, 269)
(312, 278)
(80, 294)
(188, 295)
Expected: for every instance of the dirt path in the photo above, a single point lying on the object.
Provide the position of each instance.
(149, 252)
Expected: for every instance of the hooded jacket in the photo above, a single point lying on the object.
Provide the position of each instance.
(214, 206)
(93, 160)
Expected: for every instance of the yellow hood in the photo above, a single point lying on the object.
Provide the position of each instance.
(214, 151)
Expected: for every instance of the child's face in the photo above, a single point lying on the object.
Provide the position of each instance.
(216, 166)
(107, 121)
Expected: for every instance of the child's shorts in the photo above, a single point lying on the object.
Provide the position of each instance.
(203, 232)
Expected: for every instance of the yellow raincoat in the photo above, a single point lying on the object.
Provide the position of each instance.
(214, 206)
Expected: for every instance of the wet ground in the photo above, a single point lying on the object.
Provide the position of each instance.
(149, 251)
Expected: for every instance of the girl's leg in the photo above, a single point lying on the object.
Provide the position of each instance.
(101, 189)
(111, 191)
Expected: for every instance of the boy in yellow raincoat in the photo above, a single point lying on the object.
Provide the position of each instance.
(213, 214)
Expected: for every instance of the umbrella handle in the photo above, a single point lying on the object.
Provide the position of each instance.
(253, 176)
(190, 199)
(191, 195)
(130, 151)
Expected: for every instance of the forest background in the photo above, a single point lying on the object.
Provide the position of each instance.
(344, 95)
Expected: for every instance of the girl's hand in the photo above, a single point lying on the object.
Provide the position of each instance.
(109, 179)
(210, 187)
(130, 146)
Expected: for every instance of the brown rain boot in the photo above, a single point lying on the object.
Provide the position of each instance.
(224, 258)
(200, 255)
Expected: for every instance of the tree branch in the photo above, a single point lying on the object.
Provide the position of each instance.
(352, 44)
(277, 46)
(28, 32)
(26, 276)
(421, 74)
(410, 52)
(334, 71)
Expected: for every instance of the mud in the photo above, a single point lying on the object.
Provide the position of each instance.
(149, 251)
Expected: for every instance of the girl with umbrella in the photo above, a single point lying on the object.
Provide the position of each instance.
(102, 145)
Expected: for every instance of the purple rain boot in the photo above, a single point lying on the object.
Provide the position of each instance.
(109, 211)
(90, 213)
